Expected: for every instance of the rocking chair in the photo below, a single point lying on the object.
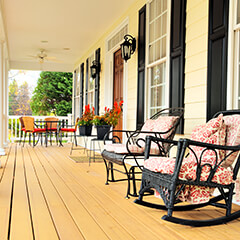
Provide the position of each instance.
(131, 154)
(212, 162)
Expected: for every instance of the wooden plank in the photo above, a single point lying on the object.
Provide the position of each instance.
(96, 211)
(77, 210)
(42, 220)
(137, 223)
(65, 225)
(5, 190)
(21, 225)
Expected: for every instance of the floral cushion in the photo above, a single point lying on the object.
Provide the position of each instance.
(193, 194)
(161, 124)
(232, 136)
(165, 123)
(111, 147)
(122, 149)
(213, 132)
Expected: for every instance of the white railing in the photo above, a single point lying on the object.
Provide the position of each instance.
(14, 125)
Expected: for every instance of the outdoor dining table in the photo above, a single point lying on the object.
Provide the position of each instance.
(49, 127)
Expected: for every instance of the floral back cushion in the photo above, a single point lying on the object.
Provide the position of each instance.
(161, 124)
(232, 136)
(213, 132)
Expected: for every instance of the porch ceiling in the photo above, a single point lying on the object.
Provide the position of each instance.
(74, 24)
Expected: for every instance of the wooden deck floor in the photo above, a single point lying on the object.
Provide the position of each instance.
(45, 195)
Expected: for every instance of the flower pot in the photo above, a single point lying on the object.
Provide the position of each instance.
(85, 130)
(102, 130)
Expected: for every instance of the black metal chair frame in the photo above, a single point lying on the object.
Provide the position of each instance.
(111, 158)
(167, 185)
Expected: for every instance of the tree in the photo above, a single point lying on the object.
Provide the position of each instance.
(53, 94)
(19, 99)
(24, 100)
(13, 92)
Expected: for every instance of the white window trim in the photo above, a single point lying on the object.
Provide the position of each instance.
(233, 58)
(89, 75)
(148, 66)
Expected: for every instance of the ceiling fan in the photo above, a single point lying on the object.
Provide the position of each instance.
(42, 56)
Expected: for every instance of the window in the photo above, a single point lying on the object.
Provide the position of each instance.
(157, 55)
(77, 93)
(91, 84)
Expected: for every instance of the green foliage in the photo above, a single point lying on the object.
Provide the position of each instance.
(53, 94)
(19, 99)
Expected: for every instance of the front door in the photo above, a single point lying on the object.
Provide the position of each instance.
(118, 85)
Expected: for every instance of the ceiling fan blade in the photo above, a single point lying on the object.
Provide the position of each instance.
(32, 56)
(50, 58)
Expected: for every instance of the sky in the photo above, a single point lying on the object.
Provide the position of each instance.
(21, 76)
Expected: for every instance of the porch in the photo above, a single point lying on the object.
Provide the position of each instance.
(46, 195)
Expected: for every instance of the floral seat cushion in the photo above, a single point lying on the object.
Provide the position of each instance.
(122, 149)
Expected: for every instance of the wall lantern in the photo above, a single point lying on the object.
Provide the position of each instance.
(128, 47)
(95, 68)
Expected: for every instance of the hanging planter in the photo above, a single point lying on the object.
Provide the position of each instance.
(85, 130)
(102, 130)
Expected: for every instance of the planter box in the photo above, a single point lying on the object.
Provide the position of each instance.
(102, 130)
(85, 130)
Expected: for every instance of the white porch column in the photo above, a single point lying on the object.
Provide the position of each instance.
(2, 151)
(5, 139)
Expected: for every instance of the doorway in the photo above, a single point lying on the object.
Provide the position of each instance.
(118, 85)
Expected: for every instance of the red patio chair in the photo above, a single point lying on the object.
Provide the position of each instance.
(69, 129)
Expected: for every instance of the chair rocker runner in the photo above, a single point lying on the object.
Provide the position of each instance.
(131, 155)
(212, 163)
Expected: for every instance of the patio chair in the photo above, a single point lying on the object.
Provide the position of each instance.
(212, 163)
(51, 127)
(31, 130)
(69, 129)
(22, 129)
(131, 154)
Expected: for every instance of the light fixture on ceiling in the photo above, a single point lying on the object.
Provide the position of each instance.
(128, 47)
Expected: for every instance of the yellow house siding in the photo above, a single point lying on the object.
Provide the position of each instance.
(196, 64)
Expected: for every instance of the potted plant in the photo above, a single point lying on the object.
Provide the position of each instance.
(85, 122)
(110, 118)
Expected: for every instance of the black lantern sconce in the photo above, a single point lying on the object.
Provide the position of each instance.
(128, 47)
(95, 68)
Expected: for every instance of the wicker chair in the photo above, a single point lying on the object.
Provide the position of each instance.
(51, 127)
(30, 129)
(22, 129)
(131, 155)
(193, 178)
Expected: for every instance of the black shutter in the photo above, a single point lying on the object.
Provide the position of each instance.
(87, 76)
(97, 83)
(81, 88)
(217, 56)
(177, 55)
(141, 67)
